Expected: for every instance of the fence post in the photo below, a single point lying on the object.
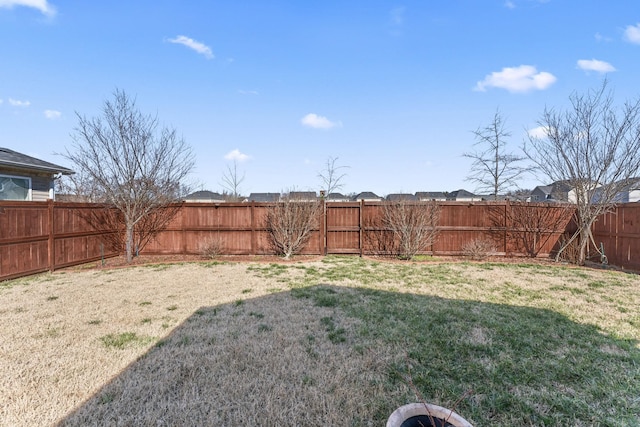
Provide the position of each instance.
(51, 258)
(252, 215)
(360, 227)
(323, 229)
(506, 225)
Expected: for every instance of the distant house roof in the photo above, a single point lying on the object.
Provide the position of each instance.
(337, 197)
(367, 195)
(431, 195)
(395, 197)
(461, 194)
(204, 196)
(263, 197)
(13, 159)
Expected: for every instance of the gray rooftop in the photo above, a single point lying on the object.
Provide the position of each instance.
(17, 160)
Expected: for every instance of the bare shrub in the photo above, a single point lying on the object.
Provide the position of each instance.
(570, 252)
(290, 223)
(378, 240)
(413, 224)
(212, 247)
(531, 226)
(478, 249)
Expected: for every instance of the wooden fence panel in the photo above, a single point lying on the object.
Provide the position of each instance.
(41, 236)
(24, 238)
(343, 228)
(619, 234)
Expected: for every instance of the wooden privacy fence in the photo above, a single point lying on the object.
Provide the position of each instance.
(351, 228)
(41, 236)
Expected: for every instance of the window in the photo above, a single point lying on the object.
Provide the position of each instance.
(15, 188)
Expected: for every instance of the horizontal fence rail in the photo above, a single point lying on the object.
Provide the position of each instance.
(44, 236)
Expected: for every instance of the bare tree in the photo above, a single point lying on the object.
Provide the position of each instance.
(594, 147)
(79, 187)
(493, 169)
(134, 166)
(290, 223)
(331, 176)
(231, 182)
(413, 224)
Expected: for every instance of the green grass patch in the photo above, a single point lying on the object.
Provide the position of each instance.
(125, 339)
(533, 357)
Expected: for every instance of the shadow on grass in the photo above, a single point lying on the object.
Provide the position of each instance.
(327, 355)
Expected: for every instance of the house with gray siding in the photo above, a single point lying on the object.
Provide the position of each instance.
(23, 177)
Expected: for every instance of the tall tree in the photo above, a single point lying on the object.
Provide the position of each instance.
(232, 180)
(493, 168)
(135, 165)
(332, 176)
(594, 147)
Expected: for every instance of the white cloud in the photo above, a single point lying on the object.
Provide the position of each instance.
(52, 114)
(318, 122)
(42, 5)
(201, 48)
(509, 5)
(632, 34)
(600, 38)
(17, 103)
(538, 132)
(595, 65)
(248, 92)
(236, 155)
(517, 79)
(397, 16)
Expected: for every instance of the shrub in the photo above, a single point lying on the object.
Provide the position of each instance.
(478, 248)
(212, 247)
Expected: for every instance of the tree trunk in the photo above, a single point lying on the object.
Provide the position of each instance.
(129, 242)
(584, 243)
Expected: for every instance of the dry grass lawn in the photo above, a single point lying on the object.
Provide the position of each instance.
(227, 344)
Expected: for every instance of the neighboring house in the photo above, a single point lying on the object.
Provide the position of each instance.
(263, 197)
(629, 194)
(559, 191)
(541, 193)
(367, 196)
(463, 196)
(493, 198)
(205, 196)
(424, 196)
(337, 197)
(24, 177)
(401, 197)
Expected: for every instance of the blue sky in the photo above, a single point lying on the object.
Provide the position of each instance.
(393, 89)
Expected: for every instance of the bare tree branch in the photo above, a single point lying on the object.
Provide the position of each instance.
(331, 176)
(132, 164)
(231, 182)
(493, 169)
(593, 147)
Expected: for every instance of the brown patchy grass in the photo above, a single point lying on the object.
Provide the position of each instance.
(240, 343)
